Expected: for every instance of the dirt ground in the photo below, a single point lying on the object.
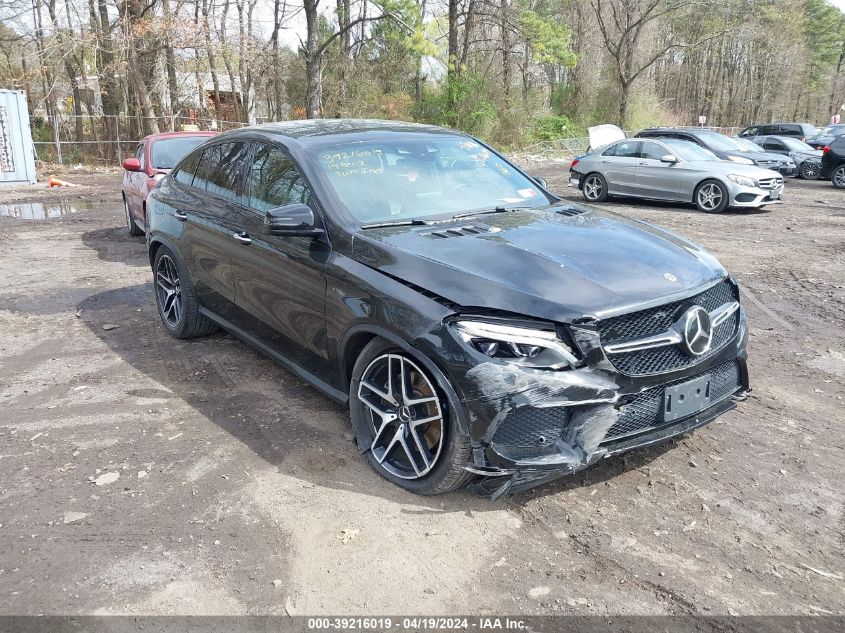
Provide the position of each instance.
(144, 475)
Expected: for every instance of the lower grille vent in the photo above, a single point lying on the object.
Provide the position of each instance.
(645, 411)
(530, 431)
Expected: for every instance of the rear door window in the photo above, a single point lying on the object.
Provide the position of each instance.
(769, 129)
(624, 149)
(220, 170)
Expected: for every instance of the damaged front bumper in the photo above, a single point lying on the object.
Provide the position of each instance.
(531, 426)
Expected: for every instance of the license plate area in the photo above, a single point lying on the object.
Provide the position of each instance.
(688, 398)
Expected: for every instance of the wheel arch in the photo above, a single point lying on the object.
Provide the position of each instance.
(357, 337)
(707, 178)
(156, 242)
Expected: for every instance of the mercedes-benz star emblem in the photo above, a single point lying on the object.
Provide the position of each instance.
(697, 331)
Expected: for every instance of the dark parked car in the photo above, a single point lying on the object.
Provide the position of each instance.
(478, 327)
(833, 163)
(802, 131)
(725, 148)
(155, 155)
(806, 157)
(827, 136)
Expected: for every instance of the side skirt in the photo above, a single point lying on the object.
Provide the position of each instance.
(320, 384)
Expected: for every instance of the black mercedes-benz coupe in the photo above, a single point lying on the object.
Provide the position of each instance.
(480, 329)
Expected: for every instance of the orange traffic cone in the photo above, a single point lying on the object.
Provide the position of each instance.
(55, 182)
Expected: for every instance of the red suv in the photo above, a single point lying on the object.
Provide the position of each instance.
(155, 155)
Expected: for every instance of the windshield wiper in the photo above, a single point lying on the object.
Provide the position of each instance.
(381, 225)
(488, 211)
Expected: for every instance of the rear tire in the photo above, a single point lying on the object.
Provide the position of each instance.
(809, 170)
(838, 177)
(425, 458)
(177, 302)
(711, 196)
(134, 230)
(594, 188)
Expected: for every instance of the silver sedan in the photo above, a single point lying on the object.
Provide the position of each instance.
(673, 170)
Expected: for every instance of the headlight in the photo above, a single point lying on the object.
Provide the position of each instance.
(741, 160)
(744, 181)
(523, 346)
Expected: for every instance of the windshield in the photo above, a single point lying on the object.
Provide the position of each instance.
(746, 146)
(415, 177)
(166, 152)
(719, 142)
(687, 150)
(795, 145)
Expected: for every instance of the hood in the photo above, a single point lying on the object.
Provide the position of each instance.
(815, 155)
(542, 263)
(758, 156)
(726, 167)
(601, 135)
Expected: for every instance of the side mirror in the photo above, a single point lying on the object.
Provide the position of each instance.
(540, 181)
(131, 164)
(669, 159)
(292, 220)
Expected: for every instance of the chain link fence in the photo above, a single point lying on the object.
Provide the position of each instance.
(106, 139)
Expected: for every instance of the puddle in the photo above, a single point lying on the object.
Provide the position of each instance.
(43, 210)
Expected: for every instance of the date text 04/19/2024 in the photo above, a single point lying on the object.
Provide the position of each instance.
(480, 623)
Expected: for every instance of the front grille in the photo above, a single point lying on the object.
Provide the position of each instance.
(659, 360)
(770, 183)
(644, 411)
(531, 431)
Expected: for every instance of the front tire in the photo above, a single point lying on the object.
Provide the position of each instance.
(134, 230)
(403, 423)
(809, 170)
(177, 302)
(711, 196)
(594, 188)
(838, 177)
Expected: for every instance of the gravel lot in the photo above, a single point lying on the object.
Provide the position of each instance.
(239, 490)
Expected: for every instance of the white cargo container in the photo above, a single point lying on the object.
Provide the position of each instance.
(17, 155)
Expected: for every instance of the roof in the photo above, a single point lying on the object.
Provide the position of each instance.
(321, 130)
(688, 130)
(163, 135)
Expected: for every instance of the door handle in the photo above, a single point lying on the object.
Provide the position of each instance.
(181, 216)
(243, 237)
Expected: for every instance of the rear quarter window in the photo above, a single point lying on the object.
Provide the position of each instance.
(184, 173)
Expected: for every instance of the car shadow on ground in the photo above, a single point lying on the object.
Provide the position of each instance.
(277, 415)
(114, 244)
